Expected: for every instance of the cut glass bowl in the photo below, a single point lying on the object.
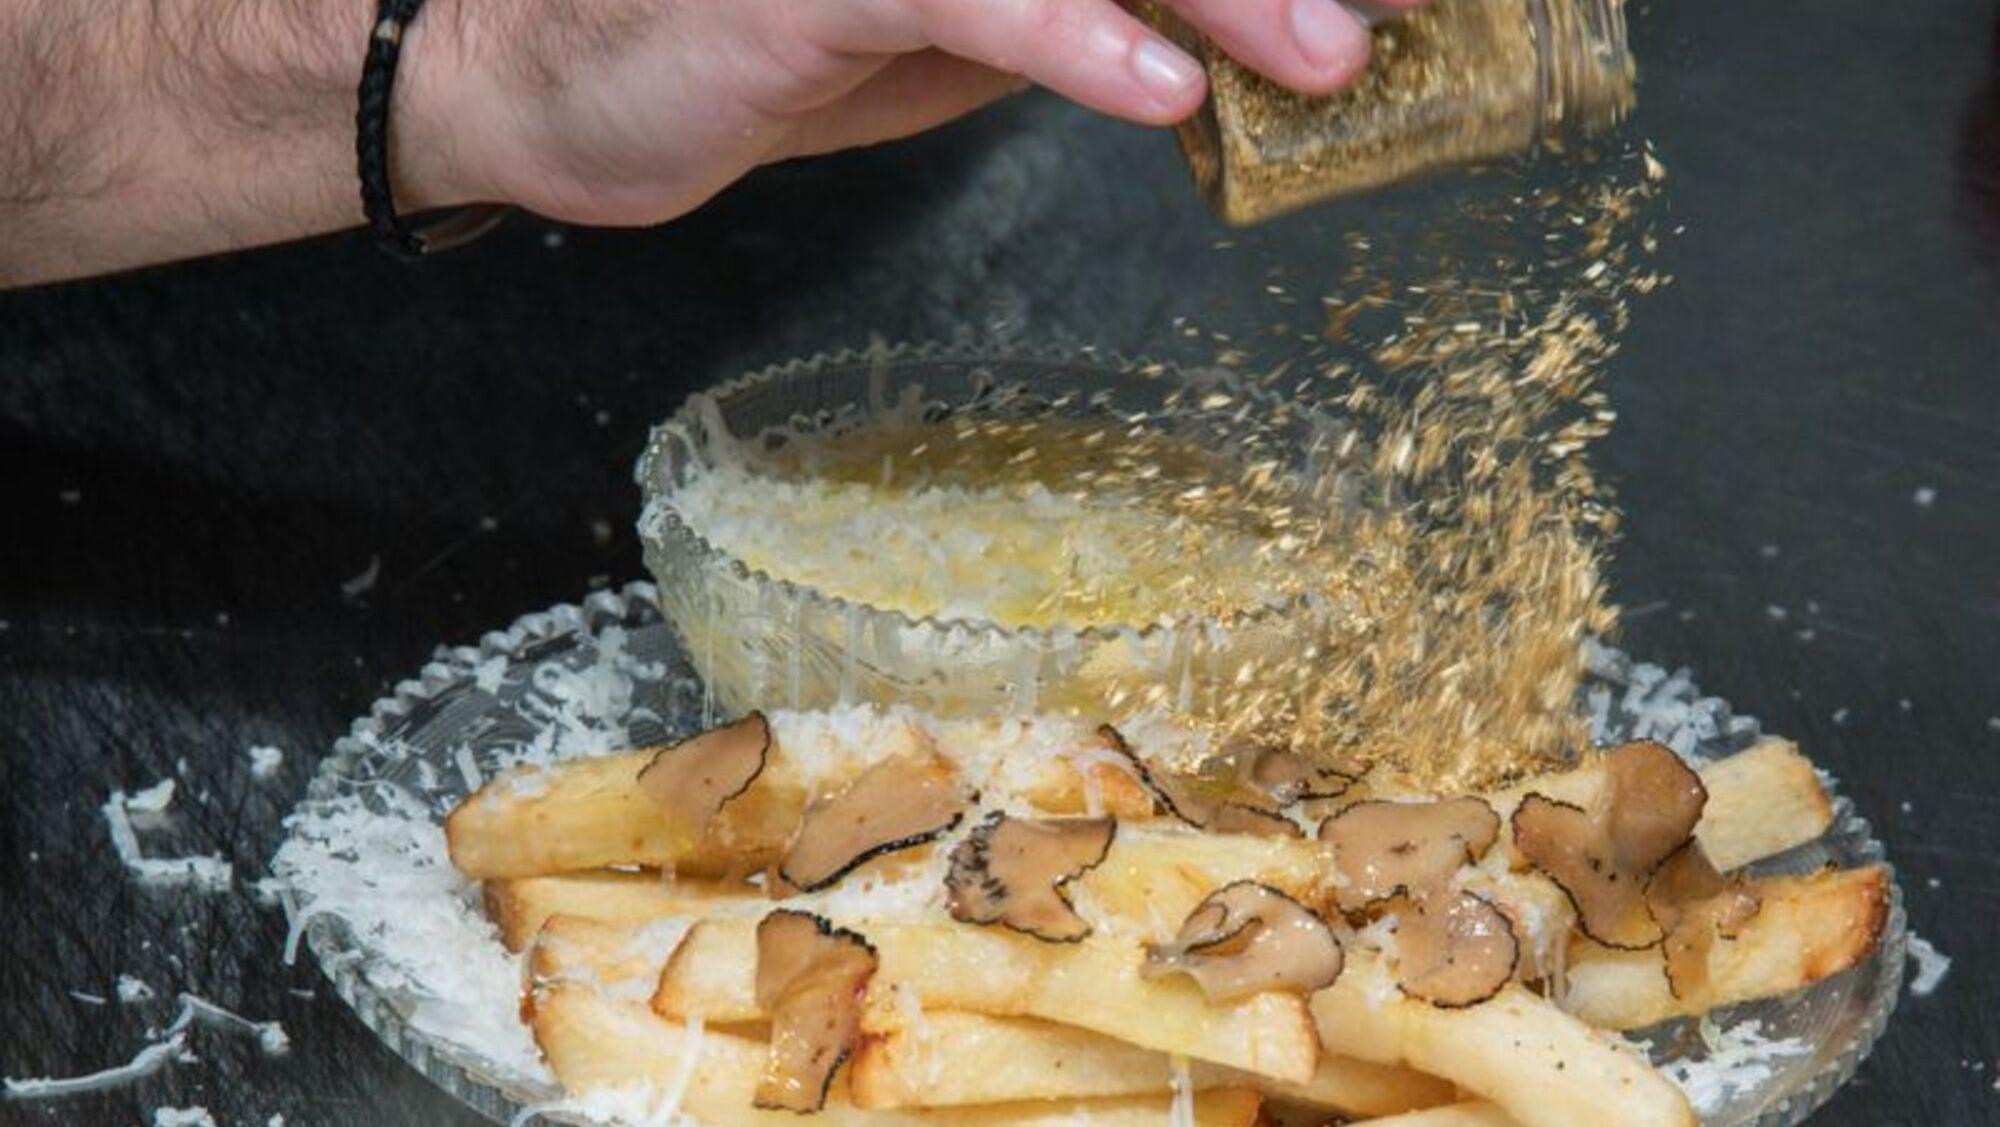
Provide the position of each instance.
(756, 639)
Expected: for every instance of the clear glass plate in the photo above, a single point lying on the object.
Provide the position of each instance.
(609, 674)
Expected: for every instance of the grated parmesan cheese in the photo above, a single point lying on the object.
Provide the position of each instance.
(206, 873)
(182, 1117)
(669, 1109)
(1739, 1057)
(376, 860)
(171, 1046)
(146, 1062)
(364, 582)
(1180, 1112)
(1660, 705)
(1029, 555)
(132, 990)
(265, 761)
(1932, 966)
(468, 768)
(153, 800)
(1378, 980)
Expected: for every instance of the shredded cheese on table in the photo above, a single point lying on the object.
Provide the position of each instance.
(207, 873)
(1932, 966)
(265, 761)
(171, 1045)
(153, 800)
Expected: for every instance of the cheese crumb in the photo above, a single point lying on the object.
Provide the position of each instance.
(265, 761)
(364, 582)
(1017, 553)
(206, 872)
(1739, 1057)
(1181, 1112)
(153, 799)
(1932, 966)
(182, 1117)
(132, 990)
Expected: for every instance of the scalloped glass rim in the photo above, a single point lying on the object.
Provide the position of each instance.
(343, 958)
(648, 475)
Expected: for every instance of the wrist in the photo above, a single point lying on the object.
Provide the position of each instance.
(433, 119)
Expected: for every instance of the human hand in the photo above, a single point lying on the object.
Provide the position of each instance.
(631, 112)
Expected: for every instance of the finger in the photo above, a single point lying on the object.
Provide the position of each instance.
(1091, 51)
(1313, 46)
(910, 95)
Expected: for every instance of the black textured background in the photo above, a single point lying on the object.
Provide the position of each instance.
(193, 459)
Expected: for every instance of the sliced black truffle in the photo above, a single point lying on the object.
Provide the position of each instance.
(1695, 905)
(1384, 849)
(1224, 799)
(897, 804)
(1012, 872)
(695, 778)
(1604, 858)
(812, 979)
(1286, 776)
(1453, 949)
(1248, 938)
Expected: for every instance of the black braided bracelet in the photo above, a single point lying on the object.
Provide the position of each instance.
(371, 148)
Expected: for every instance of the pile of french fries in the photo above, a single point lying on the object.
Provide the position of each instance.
(640, 924)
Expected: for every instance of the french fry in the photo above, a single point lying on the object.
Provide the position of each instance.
(1807, 929)
(1475, 1113)
(911, 1058)
(1761, 801)
(947, 1058)
(1542, 1066)
(1093, 985)
(1357, 1087)
(596, 1045)
(520, 905)
(1061, 787)
(1155, 875)
(589, 813)
(623, 962)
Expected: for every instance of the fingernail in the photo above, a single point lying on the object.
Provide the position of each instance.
(1163, 69)
(1327, 34)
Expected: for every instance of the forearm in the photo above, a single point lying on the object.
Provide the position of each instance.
(138, 131)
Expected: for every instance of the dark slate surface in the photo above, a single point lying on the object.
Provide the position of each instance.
(193, 459)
